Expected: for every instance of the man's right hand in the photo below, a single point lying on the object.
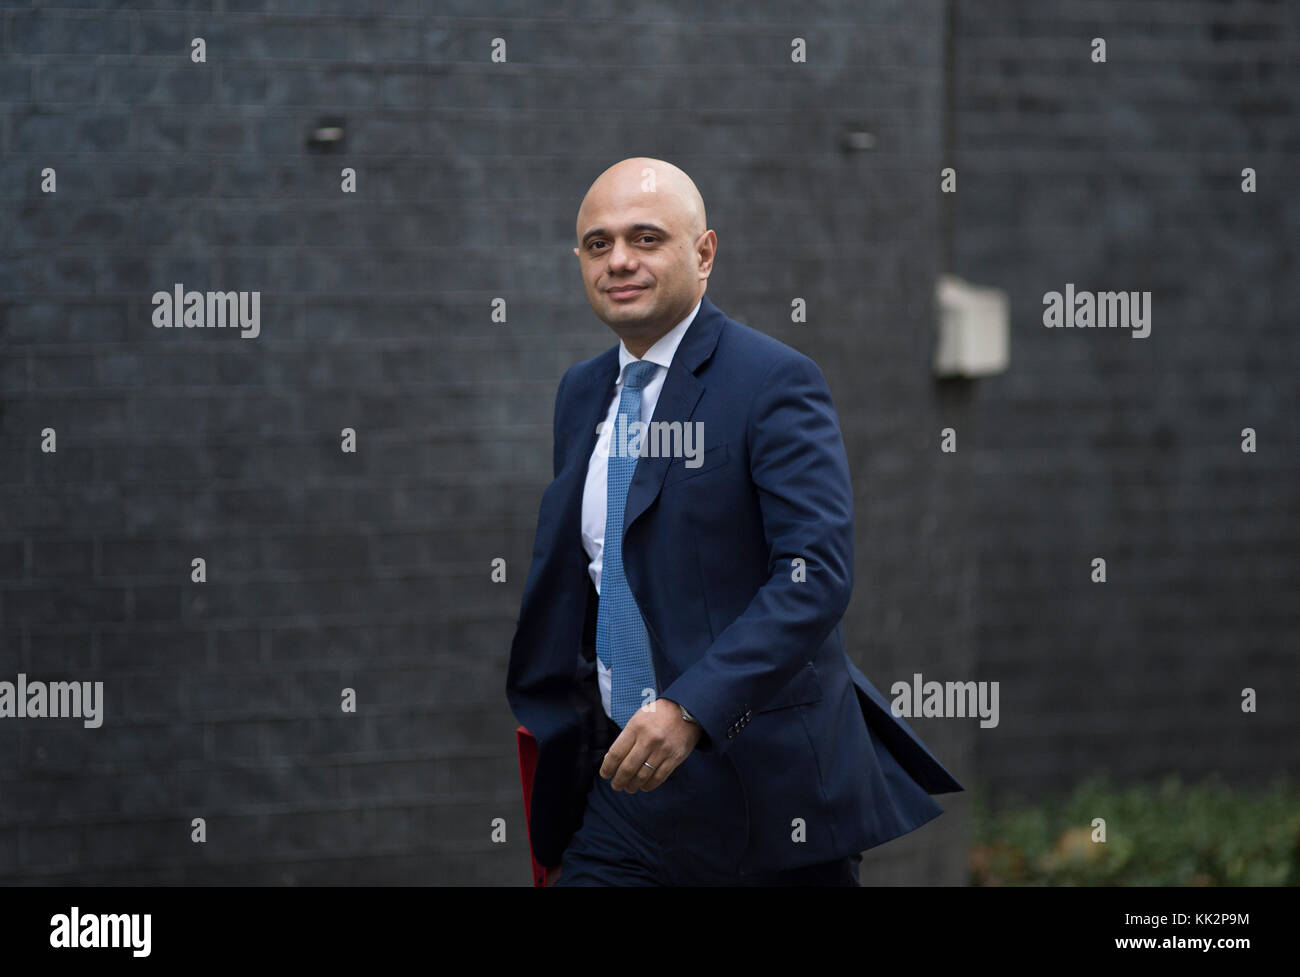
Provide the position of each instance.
(552, 874)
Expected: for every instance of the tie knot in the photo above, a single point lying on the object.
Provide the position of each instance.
(638, 373)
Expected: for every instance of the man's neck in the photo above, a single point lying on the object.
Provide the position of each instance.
(640, 348)
(640, 344)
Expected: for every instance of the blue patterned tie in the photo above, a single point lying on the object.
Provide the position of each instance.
(621, 639)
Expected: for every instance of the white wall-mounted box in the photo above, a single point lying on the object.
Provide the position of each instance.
(974, 329)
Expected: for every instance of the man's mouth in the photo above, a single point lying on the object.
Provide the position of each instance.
(625, 291)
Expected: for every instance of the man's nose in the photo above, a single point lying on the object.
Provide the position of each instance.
(620, 256)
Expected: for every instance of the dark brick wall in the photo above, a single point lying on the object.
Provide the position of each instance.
(371, 570)
(1127, 175)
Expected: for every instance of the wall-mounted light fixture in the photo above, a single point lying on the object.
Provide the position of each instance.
(858, 141)
(327, 135)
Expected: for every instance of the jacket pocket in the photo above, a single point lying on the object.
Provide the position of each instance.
(805, 687)
(713, 458)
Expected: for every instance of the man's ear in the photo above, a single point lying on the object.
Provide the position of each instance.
(575, 252)
(707, 250)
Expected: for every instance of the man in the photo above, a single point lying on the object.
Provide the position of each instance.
(679, 654)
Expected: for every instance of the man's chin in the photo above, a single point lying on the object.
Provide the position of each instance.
(629, 312)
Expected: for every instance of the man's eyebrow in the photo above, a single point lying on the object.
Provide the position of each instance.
(601, 232)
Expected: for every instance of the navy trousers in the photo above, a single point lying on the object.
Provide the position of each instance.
(687, 831)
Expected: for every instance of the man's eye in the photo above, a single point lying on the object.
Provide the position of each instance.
(643, 237)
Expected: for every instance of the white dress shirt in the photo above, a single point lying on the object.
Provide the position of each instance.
(595, 492)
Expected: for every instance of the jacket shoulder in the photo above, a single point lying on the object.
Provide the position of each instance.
(756, 353)
(601, 364)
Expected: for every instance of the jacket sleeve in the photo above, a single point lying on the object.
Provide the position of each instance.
(557, 453)
(801, 474)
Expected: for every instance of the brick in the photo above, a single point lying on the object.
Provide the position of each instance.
(49, 32)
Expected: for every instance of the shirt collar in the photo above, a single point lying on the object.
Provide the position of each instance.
(662, 351)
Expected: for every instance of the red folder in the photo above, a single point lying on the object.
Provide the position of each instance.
(527, 765)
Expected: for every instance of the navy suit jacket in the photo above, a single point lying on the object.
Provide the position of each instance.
(756, 654)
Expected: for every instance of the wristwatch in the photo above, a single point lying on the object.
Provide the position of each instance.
(688, 717)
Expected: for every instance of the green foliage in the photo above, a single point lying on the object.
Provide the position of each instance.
(1173, 834)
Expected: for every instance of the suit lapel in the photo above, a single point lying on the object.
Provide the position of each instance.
(678, 398)
(594, 396)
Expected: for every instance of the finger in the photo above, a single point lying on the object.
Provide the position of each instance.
(643, 775)
(652, 778)
(629, 772)
(616, 753)
(656, 754)
(664, 766)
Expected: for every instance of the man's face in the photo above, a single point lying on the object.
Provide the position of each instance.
(639, 260)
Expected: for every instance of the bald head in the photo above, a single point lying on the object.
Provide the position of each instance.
(644, 248)
(631, 178)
